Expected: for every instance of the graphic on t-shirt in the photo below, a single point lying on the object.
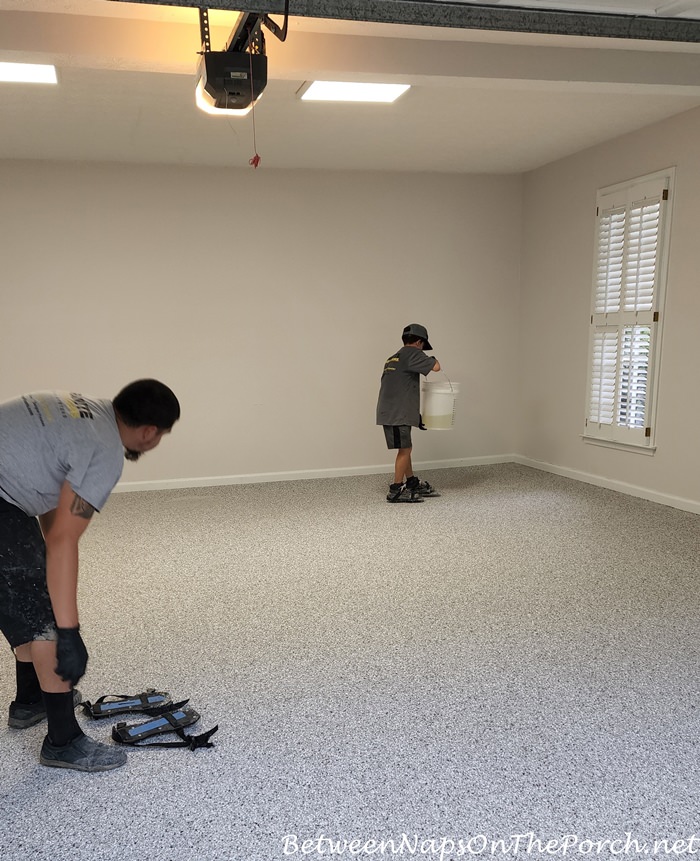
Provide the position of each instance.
(38, 407)
(78, 406)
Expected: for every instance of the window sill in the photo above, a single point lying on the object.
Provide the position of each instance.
(620, 446)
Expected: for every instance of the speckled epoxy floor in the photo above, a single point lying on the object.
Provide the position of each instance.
(519, 656)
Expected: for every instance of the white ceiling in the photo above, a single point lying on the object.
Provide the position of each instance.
(481, 101)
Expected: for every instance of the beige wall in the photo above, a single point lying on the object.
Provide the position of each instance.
(267, 300)
(558, 240)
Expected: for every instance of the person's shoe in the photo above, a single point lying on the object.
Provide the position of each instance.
(82, 754)
(401, 493)
(422, 488)
(23, 715)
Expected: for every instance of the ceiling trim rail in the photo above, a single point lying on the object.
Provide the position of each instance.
(468, 16)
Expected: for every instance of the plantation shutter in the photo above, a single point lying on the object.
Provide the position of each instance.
(625, 318)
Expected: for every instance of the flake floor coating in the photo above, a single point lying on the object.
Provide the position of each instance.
(517, 657)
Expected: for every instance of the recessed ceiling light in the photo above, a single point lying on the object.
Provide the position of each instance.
(344, 91)
(28, 73)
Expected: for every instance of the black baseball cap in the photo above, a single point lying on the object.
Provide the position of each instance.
(420, 332)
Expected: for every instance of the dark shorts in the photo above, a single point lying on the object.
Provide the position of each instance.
(398, 436)
(25, 606)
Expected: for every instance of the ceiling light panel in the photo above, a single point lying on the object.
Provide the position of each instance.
(27, 73)
(344, 91)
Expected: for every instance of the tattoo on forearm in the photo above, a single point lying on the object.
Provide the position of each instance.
(81, 508)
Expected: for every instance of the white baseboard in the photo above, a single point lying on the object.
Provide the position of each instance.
(619, 486)
(301, 474)
(385, 469)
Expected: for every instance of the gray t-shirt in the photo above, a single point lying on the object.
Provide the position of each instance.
(399, 392)
(47, 438)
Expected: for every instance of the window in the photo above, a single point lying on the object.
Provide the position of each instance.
(633, 223)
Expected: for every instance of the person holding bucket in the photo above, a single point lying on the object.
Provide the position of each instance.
(398, 410)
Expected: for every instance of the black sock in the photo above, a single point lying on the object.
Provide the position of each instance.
(28, 688)
(60, 713)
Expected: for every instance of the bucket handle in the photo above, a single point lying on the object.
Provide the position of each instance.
(448, 380)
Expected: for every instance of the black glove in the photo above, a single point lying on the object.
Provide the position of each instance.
(421, 426)
(72, 655)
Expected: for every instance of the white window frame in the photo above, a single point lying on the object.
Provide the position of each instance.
(633, 225)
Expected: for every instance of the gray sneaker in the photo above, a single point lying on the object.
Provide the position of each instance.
(422, 488)
(23, 715)
(402, 493)
(82, 754)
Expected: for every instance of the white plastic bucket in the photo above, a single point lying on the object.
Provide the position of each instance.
(438, 405)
